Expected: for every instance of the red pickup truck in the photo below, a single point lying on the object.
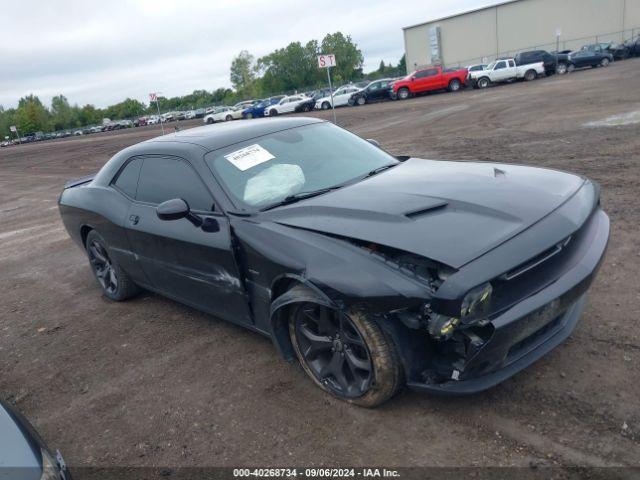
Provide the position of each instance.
(428, 79)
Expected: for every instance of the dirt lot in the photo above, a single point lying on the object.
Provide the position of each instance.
(150, 382)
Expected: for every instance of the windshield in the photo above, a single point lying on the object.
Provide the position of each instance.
(264, 171)
(490, 66)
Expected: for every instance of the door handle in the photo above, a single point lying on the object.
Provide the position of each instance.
(134, 219)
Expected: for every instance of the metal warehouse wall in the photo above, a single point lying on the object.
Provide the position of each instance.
(507, 28)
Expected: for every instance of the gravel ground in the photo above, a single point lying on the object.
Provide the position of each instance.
(150, 382)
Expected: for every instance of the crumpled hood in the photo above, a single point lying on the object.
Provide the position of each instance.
(451, 212)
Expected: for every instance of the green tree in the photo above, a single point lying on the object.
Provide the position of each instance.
(349, 59)
(289, 68)
(243, 74)
(31, 116)
(62, 114)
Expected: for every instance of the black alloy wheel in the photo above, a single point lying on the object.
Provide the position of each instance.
(102, 267)
(333, 350)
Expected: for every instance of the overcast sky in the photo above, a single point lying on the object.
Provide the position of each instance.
(101, 52)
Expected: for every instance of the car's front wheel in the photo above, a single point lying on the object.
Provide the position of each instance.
(345, 354)
(403, 93)
(210, 120)
(561, 69)
(483, 82)
(361, 101)
(454, 85)
(115, 282)
(326, 105)
(273, 112)
(228, 118)
(604, 62)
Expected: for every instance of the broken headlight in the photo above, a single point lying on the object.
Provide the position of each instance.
(474, 308)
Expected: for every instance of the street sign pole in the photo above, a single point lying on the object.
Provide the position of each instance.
(558, 33)
(161, 124)
(327, 61)
(14, 129)
(333, 108)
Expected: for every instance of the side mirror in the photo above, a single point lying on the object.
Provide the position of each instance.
(175, 209)
(373, 142)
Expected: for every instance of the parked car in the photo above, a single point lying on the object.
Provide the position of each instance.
(428, 80)
(477, 67)
(619, 51)
(23, 453)
(551, 61)
(78, 132)
(312, 98)
(588, 58)
(153, 120)
(257, 109)
(286, 104)
(374, 273)
(140, 122)
(375, 91)
(633, 45)
(223, 114)
(340, 98)
(189, 115)
(200, 112)
(245, 103)
(505, 70)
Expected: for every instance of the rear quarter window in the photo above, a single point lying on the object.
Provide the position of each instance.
(127, 179)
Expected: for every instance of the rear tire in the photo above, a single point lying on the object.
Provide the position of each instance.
(530, 75)
(228, 118)
(306, 108)
(605, 62)
(561, 69)
(368, 367)
(325, 105)
(273, 112)
(116, 284)
(403, 93)
(454, 85)
(361, 101)
(210, 120)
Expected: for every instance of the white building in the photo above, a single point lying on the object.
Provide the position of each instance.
(478, 36)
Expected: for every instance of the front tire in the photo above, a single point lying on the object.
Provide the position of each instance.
(483, 82)
(210, 121)
(361, 101)
(326, 105)
(605, 62)
(228, 118)
(273, 112)
(403, 93)
(561, 69)
(345, 353)
(116, 284)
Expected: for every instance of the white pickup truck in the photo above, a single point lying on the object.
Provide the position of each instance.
(504, 70)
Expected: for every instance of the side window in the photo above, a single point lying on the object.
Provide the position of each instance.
(127, 179)
(163, 179)
(512, 63)
(500, 65)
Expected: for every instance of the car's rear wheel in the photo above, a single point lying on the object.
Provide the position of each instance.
(454, 85)
(561, 69)
(483, 82)
(325, 105)
(403, 93)
(604, 62)
(115, 282)
(345, 354)
(209, 120)
(228, 118)
(273, 112)
(530, 75)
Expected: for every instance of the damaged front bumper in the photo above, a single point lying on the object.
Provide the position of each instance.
(531, 328)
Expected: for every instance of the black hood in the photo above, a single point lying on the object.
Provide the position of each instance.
(451, 212)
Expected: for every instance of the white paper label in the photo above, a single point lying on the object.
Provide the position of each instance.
(248, 157)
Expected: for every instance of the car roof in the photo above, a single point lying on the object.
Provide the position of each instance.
(212, 137)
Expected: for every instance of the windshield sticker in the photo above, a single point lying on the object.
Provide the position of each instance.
(248, 157)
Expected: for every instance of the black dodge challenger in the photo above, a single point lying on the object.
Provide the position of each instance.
(373, 271)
